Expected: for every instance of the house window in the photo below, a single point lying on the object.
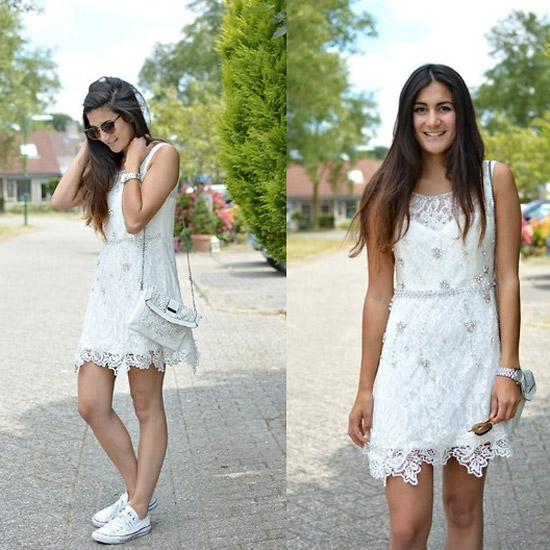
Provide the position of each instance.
(14, 190)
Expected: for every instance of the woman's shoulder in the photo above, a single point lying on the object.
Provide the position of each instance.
(503, 178)
(164, 151)
(504, 186)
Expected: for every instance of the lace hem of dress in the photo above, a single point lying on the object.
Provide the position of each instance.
(407, 464)
(121, 363)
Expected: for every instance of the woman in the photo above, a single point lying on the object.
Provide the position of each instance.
(126, 183)
(447, 225)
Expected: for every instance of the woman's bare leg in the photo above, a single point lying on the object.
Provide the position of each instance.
(410, 508)
(95, 405)
(463, 505)
(146, 391)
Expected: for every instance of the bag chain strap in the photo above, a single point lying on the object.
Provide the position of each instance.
(191, 283)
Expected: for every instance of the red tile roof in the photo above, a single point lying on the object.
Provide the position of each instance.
(299, 185)
(50, 146)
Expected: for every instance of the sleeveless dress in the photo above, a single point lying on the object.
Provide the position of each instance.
(441, 346)
(106, 339)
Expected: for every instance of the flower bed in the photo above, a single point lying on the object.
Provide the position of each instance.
(200, 212)
(535, 237)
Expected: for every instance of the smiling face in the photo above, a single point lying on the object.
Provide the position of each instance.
(434, 119)
(123, 131)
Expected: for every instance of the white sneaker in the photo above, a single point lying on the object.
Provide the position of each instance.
(126, 526)
(104, 516)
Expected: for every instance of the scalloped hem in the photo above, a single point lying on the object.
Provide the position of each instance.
(123, 363)
(407, 465)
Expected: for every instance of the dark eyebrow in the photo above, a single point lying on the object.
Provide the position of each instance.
(440, 103)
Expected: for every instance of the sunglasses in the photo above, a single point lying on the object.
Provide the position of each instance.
(108, 127)
(482, 427)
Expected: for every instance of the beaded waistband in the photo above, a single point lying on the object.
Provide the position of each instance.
(484, 288)
(133, 239)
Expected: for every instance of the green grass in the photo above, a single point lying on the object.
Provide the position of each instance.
(303, 247)
(10, 231)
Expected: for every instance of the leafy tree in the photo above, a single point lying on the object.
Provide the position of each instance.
(326, 121)
(525, 150)
(60, 120)
(192, 129)
(192, 65)
(253, 125)
(28, 79)
(184, 79)
(517, 86)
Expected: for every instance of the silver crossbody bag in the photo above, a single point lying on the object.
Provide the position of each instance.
(161, 318)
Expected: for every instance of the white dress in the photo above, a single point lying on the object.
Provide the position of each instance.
(106, 339)
(441, 346)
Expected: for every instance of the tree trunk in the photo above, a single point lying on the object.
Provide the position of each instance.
(315, 204)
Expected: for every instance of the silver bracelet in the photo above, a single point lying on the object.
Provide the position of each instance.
(508, 372)
(125, 176)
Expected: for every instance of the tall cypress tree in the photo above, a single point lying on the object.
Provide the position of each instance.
(253, 125)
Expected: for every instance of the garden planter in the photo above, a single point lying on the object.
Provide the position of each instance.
(201, 243)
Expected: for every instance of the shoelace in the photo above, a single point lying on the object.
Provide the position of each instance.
(123, 522)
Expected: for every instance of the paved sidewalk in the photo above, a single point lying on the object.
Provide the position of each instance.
(223, 482)
(332, 501)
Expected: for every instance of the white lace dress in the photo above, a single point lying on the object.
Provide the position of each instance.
(106, 339)
(441, 347)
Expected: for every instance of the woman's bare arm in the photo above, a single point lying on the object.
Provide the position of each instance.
(508, 237)
(375, 317)
(140, 204)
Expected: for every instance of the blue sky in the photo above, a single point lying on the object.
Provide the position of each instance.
(426, 31)
(92, 38)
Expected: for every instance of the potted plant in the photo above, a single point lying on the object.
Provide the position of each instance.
(203, 224)
(198, 213)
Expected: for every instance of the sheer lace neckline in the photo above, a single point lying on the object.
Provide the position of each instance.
(432, 196)
(433, 211)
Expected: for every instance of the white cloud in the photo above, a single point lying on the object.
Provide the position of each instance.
(93, 38)
(426, 31)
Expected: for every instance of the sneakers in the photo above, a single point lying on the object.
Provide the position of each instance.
(104, 516)
(126, 526)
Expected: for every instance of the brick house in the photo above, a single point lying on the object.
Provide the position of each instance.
(55, 150)
(341, 204)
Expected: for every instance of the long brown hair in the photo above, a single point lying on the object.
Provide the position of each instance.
(103, 164)
(385, 200)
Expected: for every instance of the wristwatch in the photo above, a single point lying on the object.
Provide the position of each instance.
(524, 379)
(125, 176)
(514, 373)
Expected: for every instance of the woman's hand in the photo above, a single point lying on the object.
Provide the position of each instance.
(505, 398)
(360, 418)
(136, 153)
(66, 194)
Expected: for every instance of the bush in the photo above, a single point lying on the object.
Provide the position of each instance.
(344, 224)
(301, 221)
(32, 208)
(200, 213)
(253, 124)
(326, 221)
(535, 236)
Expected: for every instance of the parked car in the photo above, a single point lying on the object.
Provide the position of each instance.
(537, 210)
(252, 239)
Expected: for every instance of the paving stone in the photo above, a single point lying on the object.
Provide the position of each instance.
(332, 501)
(225, 465)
